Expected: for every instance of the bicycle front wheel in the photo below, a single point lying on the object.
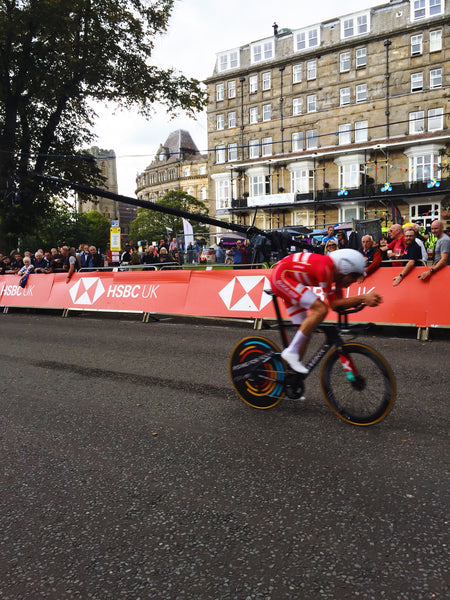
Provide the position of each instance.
(257, 372)
(364, 398)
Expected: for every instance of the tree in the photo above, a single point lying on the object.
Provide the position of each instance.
(56, 57)
(150, 225)
(93, 228)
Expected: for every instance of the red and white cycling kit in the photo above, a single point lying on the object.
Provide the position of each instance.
(292, 275)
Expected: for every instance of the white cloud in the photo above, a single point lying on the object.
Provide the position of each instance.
(198, 30)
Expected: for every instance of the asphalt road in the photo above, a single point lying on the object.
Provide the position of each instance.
(130, 470)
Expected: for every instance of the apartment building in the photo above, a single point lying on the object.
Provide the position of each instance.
(178, 165)
(345, 119)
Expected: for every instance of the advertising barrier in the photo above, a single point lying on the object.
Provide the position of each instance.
(222, 294)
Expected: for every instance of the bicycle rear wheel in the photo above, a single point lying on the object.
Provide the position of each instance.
(257, 372)
(369, 396)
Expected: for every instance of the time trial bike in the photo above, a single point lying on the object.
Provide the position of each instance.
(356, 380)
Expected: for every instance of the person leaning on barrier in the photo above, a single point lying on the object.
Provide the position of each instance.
(27, 268)
(417, 240)
(68, 263)
(150, 257)
(413, 253)
(441, 250)
(372, 256)
(41, 264)
(95, 259)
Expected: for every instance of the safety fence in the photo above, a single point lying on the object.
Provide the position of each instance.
(235, 294)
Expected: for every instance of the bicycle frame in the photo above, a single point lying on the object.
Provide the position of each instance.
(332, 338)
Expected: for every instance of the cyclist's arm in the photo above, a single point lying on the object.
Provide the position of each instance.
(372, 299)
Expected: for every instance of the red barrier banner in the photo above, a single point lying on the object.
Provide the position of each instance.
(224, 293)
(36, 293)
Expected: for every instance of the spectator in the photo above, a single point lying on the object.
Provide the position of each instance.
(372, 254)
(6, 268)
(413, 253)
(57, 260)
(135, 259)
(196, 251)
(342, 239)
(25, 270)
(248, 251)
(69, 263)
(49, 258)
(330, 246)
(83, 257)
(220, 254)
(95, 259)
(190, 253)
(126, 256)
(417, 240)
(163, 255)
(329, 236)
(397, 247)
(17, 262)
(150, 257)
(239, 253)
(41, 264)
(175, 257)
(441, 250)
(383, 245)
(162, 244)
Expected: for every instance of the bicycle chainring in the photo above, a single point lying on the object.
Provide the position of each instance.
(294, 385)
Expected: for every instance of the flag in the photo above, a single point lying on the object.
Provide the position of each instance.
(188, 233)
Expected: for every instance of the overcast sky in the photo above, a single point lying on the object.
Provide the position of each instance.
(198, 30)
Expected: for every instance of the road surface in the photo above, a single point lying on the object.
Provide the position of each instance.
(131, 470)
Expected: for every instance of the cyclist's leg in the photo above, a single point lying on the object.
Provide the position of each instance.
(307, 322)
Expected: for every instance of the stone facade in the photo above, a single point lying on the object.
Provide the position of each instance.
(106, 161)
(340, 120)
(178, 165)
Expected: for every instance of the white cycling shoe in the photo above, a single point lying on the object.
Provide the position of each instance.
(293, 361)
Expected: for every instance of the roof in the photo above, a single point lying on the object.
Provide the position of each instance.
(180, 141)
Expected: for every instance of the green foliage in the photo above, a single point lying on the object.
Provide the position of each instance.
(93, 228)
(55, 58)
(150, 225)
(62, 225)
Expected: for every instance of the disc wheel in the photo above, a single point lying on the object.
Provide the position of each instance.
(257, 372)
(369, 397)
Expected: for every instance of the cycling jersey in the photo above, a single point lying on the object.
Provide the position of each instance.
(294, 273)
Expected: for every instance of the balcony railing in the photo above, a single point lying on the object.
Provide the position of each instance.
(330, 195)
(372, 190)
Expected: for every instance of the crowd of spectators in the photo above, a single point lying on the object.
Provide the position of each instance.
(403, 246)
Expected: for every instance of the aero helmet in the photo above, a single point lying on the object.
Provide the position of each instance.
(348, 261)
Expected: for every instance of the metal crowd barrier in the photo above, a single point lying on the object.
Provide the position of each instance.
(166, 266)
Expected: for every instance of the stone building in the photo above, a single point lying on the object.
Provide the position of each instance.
(106, 161)
(178, 165)
(339, 120)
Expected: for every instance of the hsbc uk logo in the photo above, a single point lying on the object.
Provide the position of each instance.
(87, 290)
(246, 293)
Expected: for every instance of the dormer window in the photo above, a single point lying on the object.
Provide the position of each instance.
(264, 50)
(424, 9)
(355, 25)
(228, 60)
(306, 38)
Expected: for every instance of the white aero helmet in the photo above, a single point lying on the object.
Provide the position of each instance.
(348, 261)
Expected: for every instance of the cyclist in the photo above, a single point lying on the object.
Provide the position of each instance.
(292, 275)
